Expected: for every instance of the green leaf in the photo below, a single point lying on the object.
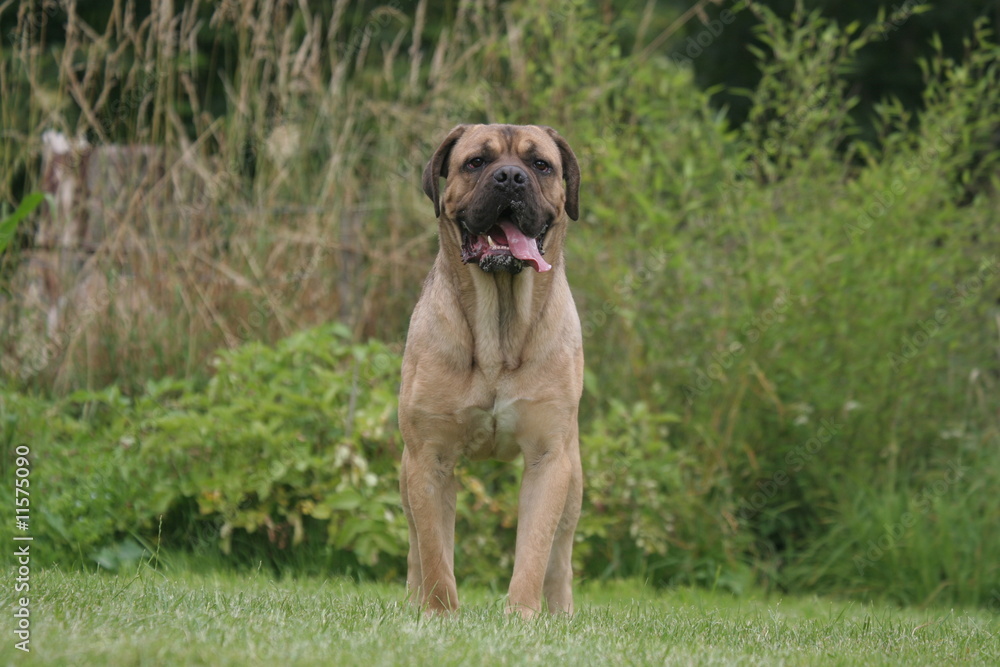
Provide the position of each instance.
(8, 225)
(346, 500)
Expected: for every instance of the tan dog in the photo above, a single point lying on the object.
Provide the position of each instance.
(493, 365)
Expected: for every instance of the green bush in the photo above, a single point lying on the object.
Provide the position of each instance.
(280, 440)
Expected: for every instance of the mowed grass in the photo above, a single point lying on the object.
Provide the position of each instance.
(229, 619)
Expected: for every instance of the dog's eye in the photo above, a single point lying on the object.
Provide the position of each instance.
(475, 163)
(542, 165)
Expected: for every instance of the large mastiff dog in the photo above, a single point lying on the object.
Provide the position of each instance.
(493, 365)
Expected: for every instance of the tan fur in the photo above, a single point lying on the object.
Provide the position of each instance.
(493, 368)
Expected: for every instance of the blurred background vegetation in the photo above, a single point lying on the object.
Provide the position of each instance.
(786, 268)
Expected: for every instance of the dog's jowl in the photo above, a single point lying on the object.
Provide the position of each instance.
(493, 366)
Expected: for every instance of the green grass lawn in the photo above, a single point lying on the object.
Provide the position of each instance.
(230, 619)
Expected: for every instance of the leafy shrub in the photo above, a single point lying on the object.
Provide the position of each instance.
(279, 439)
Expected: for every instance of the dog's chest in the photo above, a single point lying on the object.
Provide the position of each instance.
(492, 433)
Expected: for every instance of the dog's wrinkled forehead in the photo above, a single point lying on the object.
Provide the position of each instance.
(491, 142)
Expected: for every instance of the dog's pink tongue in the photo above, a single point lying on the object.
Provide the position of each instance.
(523, 247)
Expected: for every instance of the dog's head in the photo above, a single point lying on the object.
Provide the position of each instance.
(509, 191)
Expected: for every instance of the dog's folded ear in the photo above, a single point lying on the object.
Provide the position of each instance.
(438, 166)
(571, 172)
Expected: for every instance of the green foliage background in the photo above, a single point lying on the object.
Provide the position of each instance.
(791, 333)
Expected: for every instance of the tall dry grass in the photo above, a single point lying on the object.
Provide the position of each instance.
(282, 188)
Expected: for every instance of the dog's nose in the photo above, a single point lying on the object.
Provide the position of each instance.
(510, 176)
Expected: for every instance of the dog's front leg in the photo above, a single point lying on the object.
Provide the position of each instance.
(558, 587)
(428, 487)
(544, 489)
